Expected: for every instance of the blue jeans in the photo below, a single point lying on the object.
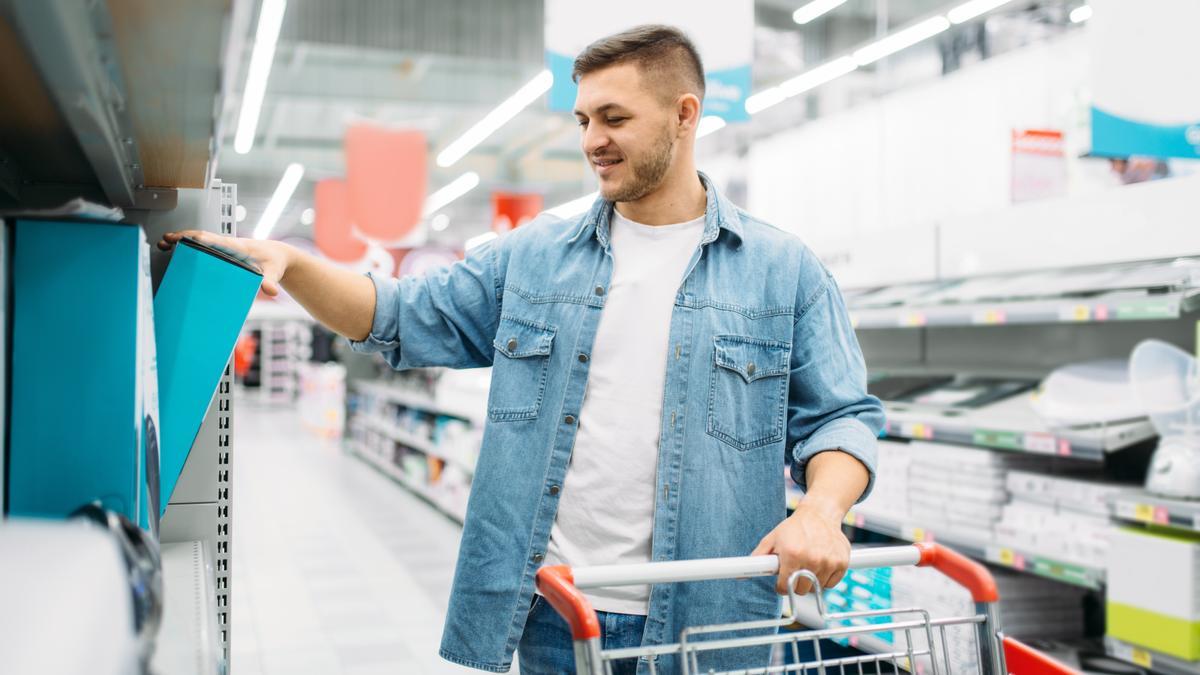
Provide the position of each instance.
(546, 647)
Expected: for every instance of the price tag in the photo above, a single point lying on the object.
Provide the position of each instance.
(1064, 447)
(1143, 513)
(1019, 561)
(1102, 312)
(913, 319)
(850, 519)
(1142, 658)
(916, 534)
(916, 430)
(1042, 443)
(859, 521)
(1006, 557)
(1161, 516)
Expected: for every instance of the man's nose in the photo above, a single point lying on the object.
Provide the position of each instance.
(594, 139)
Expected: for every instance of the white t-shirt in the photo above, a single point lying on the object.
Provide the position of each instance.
(606, 508)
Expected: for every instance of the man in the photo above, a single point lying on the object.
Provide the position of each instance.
(653, 361)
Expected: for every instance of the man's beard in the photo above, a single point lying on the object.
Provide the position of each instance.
(647, 174)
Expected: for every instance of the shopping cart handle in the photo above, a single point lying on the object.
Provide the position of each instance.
(557, 585)
(969, 574)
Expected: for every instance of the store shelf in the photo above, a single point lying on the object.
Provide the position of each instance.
(1159, 663)
(1143, 507)
(991, 552)
(188, 642)
(1105, 308)
(414, 441)
(1143, 291)
(456, 512)
(414, 400)
(1013, 426)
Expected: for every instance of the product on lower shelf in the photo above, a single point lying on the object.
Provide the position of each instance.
(1153, 591)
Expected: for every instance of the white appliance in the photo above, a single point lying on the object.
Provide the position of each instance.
(1166, 381)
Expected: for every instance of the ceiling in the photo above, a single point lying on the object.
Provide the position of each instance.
(440, 67)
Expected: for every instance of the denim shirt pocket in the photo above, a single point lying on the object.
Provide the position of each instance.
(747, 394)
(520, 368)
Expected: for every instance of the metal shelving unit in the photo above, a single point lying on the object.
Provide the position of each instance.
(1011, 425)
(1155, 661)
(189, 642)
(415, 400)
(991, 552)
(1154, 510)
(455, 512)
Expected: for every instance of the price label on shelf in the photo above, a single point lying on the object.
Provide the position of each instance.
(989, 317)
(913, 319)
(1041, 443)
(1134, 655)
(916, 534)
(916, 430)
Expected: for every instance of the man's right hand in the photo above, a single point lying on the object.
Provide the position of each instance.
(272, 257)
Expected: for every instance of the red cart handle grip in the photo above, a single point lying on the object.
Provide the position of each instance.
(557, 585)
(969, 574)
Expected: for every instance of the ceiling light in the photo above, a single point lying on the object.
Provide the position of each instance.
(480, 240)
(496, 119)
(818, 76)
(574, 207)
(764, 99)
(709, 124)
(815, 9)
(1081, 13)
(972, 9)
(899, 40)
(307, 216)
(283, 193)
(803, 82)
(455, 189)
(269, 20)
(440, 222)
(239, 213)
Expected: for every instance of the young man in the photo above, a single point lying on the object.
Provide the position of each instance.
(653, 361)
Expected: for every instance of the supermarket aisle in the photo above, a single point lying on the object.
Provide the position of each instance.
(335, 568)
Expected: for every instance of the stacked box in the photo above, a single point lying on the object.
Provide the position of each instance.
(1154, 591)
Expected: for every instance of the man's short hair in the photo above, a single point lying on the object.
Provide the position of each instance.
(664, 54)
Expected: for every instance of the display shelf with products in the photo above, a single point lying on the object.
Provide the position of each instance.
(980, 549)
(417, 400)
(1012, 425)
(453, 507)
(1150, 509)
(416, 442)
(1130, 292)
(1145, 658)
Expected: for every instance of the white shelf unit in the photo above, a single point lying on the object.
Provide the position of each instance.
(188, 641)
(284, 344)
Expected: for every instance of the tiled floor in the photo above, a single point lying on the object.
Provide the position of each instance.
(336, 569)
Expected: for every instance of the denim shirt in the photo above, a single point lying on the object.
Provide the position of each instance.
(762, 361)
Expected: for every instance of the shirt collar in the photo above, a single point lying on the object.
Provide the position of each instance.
(719, 214)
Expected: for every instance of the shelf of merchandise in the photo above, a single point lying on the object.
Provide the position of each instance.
(414, 400)
(1013, 426)
(188, 642)
(414, 441)
(1121, 306)
(987, 551)
(1143, 507)
(456, 512)
(1155, 661)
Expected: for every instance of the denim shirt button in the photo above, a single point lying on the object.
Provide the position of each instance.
(749, 369)
(512, 344)
(569, 419)
(554, 489)
(538, 557)
(599, 290)
(583, 358)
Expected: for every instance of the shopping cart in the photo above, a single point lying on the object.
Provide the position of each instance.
(918, 650)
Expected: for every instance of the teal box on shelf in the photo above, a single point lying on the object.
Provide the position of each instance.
(81, 422)
(199, 309)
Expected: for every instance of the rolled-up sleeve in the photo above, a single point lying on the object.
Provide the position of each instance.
(828, 404)
(445, 318)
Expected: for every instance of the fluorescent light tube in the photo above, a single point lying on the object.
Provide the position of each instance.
(479, 240)
(899, 40)
(267, 35)
(815, 9)
(972, 9)
(283, 193)
(453, 190)
(1081, 13)
(496, 119)
(574, 207)
(709, 124)
(764, 99)
(818, 76)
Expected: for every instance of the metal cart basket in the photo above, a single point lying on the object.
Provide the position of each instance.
(921, 644)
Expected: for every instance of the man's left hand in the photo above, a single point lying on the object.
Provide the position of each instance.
(810, 539)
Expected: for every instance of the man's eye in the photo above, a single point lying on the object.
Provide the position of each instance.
(615, 120)
(582, 123)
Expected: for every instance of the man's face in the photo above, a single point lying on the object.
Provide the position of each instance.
(627, 132)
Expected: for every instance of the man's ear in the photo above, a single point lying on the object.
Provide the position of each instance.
(687, 110)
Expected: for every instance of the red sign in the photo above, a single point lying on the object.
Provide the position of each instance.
(333, 229)
(512, 210)
(388, 178)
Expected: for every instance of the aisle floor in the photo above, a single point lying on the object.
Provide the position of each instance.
(336, 569)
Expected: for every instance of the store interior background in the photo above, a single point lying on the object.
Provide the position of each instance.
(999, 273)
